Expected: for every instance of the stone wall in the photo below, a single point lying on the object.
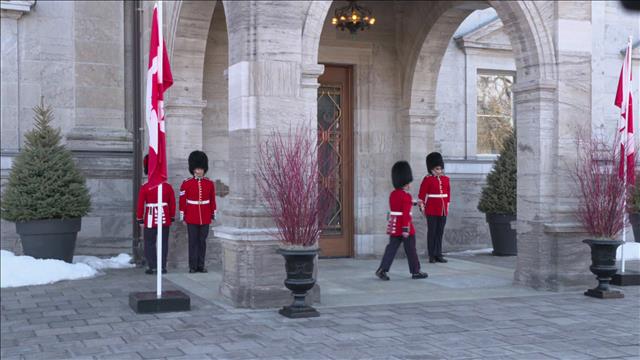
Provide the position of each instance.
(72, 54)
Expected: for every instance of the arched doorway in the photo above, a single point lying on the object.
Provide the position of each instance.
(410, 112)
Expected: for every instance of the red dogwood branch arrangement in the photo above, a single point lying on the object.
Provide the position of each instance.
(600, 189)
(287, 177)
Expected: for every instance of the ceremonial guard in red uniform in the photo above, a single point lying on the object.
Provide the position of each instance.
(400, 226)
(434, 197)
(147, 215)
(197, 209)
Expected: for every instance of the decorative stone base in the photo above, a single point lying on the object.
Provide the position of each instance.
(295, 312)
(252, 272)
(611, 294)
(170, 301)
(628, 278)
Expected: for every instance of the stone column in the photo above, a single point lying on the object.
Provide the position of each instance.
(10, 135)
(420, 125)
(184, 135)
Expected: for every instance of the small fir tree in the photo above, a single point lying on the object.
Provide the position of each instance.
(499, 195)
(44, 182)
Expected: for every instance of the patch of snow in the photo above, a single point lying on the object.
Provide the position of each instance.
(471, 252)
(121, 261)
(26, 270)
(631, 251)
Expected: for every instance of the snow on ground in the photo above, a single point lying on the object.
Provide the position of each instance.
(25, 270)
(471, 252)
(631, 251)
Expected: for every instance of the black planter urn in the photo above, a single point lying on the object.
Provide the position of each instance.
(49, 239)
(299, 267)
(603, 265)
(634, 219)
(503, 237)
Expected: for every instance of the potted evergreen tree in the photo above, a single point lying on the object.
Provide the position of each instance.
(287, 177)
(634, 207)
(600, 208)
(498, 199)
(46, 196)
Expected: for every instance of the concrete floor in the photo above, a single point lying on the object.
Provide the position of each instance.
(349, 282)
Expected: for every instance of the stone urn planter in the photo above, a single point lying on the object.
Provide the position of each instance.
(603, 265)
(49, 239)
(299, 268)
(634, 219)
(503, 237)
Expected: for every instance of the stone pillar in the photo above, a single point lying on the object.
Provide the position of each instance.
(420, 125)
(263, 96)
(10, 107)
(184, 135)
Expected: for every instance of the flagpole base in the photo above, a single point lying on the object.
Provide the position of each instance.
(148, 303)
(627, 278)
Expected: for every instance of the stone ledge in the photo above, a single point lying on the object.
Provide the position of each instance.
(564, 228)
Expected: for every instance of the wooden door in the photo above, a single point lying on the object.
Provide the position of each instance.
(335, 159)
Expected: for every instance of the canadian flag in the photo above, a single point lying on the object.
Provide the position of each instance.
(159, 79)
(624, 100)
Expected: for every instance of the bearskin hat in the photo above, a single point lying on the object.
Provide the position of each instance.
(434, 159)
(145, 163)
(401, 174)
(198, 159)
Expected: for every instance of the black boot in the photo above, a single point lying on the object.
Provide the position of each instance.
(202, 270)
(440, 259)
(382, 274)
(432, 259)
(191, 271)
(419, 275)
(150, 271)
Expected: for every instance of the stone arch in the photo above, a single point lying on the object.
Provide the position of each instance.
(527, 25)
(188, 29)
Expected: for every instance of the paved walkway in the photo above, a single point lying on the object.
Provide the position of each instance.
(92, 319)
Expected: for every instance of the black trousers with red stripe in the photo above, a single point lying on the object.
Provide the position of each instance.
(197, 245)
(435, 230)
(409, 249)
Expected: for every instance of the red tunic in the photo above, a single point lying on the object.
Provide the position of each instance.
(400, 203)
(435, 192)
(197, 201)
(147, 210)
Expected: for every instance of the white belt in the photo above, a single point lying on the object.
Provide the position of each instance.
(437, 195)
(155, 205)
(196, 202)
(398, 213)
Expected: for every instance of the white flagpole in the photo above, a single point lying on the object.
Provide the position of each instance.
(160, 115)
(626, 148)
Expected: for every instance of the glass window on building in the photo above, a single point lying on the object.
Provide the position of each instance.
(494, 110)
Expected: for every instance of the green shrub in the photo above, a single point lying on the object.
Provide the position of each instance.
(499, 195)
(44, 182)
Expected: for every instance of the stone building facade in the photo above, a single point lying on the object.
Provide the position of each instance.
(244, 68)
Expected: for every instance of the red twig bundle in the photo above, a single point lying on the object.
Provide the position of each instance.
(287, 177)
(600, 190)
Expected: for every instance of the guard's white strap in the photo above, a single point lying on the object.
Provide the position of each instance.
(437, 196)
(395, 213)
(155, 205)
(196, 202)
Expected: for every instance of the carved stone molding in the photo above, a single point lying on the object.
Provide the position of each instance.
(14, 9)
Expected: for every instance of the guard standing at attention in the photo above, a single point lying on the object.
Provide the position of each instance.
(197, 209)
(434, 198)
(147, 215)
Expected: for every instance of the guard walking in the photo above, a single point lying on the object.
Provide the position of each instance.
(400, 226)
(434, 197)
(197, 209)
